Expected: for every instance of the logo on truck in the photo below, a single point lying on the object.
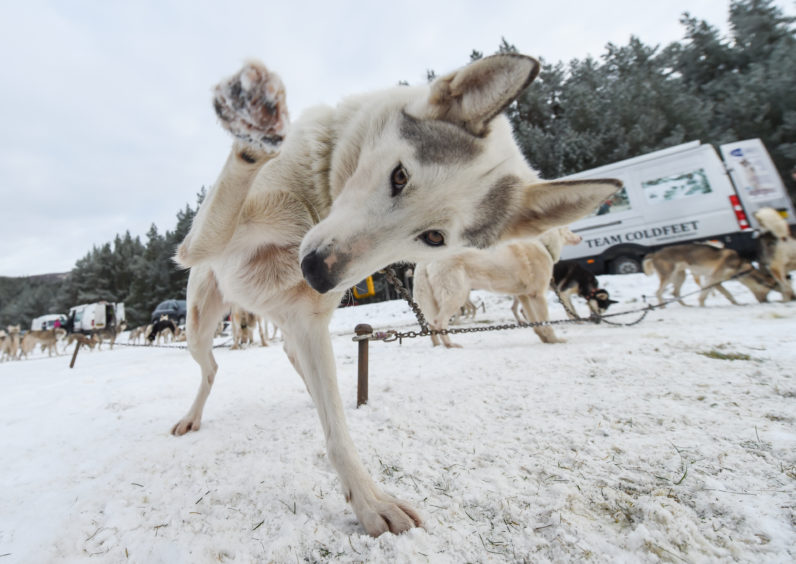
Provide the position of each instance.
(662, 233)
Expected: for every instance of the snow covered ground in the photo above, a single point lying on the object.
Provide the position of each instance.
(672, 440)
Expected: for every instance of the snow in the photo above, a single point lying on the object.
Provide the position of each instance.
(670, 440)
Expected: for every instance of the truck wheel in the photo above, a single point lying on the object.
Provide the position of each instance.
(625, 265)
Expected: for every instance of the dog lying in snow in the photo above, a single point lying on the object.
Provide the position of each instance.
(294, 220)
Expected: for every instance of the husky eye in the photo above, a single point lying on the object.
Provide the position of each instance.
(433, 238)
(398, 179)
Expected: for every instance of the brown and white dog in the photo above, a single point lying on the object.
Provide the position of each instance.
(243, 323)
(48, 339)
(778, 249)
(84, 340)
(10, 343)
(110, 334)
(709, 266)
(295, 219)
(521, 268)
(136, 334)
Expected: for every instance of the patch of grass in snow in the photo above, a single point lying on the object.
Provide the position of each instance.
(718, 355)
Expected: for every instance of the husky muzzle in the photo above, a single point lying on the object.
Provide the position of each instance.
(318, 273)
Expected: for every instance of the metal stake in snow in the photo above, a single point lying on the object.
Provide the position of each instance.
(363, 331)
(74, 355)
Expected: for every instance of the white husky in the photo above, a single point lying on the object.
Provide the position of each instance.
(403, 174)
(520, 268)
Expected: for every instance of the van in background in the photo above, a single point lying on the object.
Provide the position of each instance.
(87, 318)
(679, 195)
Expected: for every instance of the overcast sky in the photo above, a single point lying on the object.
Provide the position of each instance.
(107, 124)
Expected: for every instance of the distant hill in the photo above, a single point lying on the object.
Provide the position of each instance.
(51, 277)
(24, 297)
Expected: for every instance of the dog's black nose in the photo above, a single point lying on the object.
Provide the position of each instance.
(316, 272)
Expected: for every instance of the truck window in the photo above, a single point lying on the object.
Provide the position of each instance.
(619, 202)
(676, 186)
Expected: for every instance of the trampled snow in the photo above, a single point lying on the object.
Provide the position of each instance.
(672, 440)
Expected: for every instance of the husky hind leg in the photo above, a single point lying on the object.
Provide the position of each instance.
(535, 308)
(205, 308)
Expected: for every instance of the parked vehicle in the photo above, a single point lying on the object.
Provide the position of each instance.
(175, 309)
(678, 195)
(87, 318)
(46, 322)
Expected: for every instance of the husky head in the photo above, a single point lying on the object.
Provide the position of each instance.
(420, 172)
(770, 221)
(599, 301)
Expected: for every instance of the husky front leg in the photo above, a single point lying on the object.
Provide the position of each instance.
(251, 106)
(308, 344)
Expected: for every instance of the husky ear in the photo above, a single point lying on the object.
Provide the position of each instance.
(552, 204)
(471, 96)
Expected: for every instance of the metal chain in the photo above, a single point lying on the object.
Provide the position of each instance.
(389, 275)
(219, 346)
(554, 286)
(392, 335)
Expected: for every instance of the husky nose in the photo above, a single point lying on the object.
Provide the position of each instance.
(316, 272)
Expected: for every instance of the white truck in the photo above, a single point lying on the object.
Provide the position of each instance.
(88, 318)
(679, 195)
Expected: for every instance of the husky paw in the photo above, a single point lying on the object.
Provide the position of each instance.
(385, 513)
(186, 424)
(251, 106)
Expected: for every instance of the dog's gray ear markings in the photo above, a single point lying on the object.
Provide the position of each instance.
(473, 95)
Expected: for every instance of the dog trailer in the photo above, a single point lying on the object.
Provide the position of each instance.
(682, 194)
(87, 318)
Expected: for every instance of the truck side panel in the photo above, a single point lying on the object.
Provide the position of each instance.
(671, 196)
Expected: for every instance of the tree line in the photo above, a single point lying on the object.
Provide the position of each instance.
(140, 274)
(639, 98)
(633, 99)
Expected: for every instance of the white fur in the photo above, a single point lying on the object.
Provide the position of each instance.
(327, 195)
(521, 268)
(782, 258)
